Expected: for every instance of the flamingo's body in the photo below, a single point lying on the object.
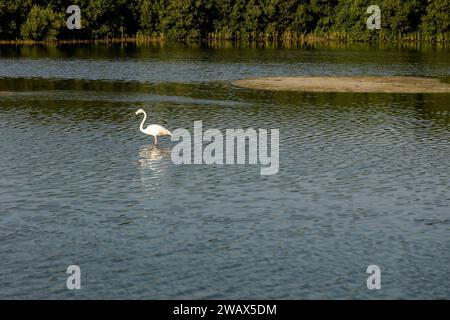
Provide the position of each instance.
(154, 130)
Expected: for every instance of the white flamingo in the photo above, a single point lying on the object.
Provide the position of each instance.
(154, 130)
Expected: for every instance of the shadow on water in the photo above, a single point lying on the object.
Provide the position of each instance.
(224, 49)
(109, 101)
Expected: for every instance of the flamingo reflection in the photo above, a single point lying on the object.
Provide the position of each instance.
(153, 160)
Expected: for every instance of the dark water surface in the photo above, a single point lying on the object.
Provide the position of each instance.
(364, 178)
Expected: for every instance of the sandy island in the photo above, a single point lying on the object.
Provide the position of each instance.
(347, 84)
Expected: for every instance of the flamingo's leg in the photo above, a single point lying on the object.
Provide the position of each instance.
(156, 140)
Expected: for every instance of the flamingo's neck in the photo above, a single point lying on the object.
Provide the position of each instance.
(142, 123)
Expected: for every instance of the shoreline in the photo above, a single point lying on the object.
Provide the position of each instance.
(304, 39)
(82, 41)
(361, 84)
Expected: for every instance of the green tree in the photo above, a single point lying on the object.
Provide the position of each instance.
(324, 13)
(303, 21)
(194, 19)
(401, 17)
(237, 18)
(149, 16)
(280, 15)
(111, 18)
(222, 24)
(13, 13)
(437, 17)
(253, 17)
(351, 18)
(187, 19)
(42, 24)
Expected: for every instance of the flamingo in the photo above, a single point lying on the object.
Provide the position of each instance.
(154, 130)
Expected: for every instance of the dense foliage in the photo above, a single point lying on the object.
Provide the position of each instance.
(225, 19)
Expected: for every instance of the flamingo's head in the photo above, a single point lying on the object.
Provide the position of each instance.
(139, 111)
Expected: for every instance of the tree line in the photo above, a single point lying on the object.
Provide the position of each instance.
(185, 20)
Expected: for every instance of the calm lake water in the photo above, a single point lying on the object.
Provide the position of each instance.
(364, 178)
